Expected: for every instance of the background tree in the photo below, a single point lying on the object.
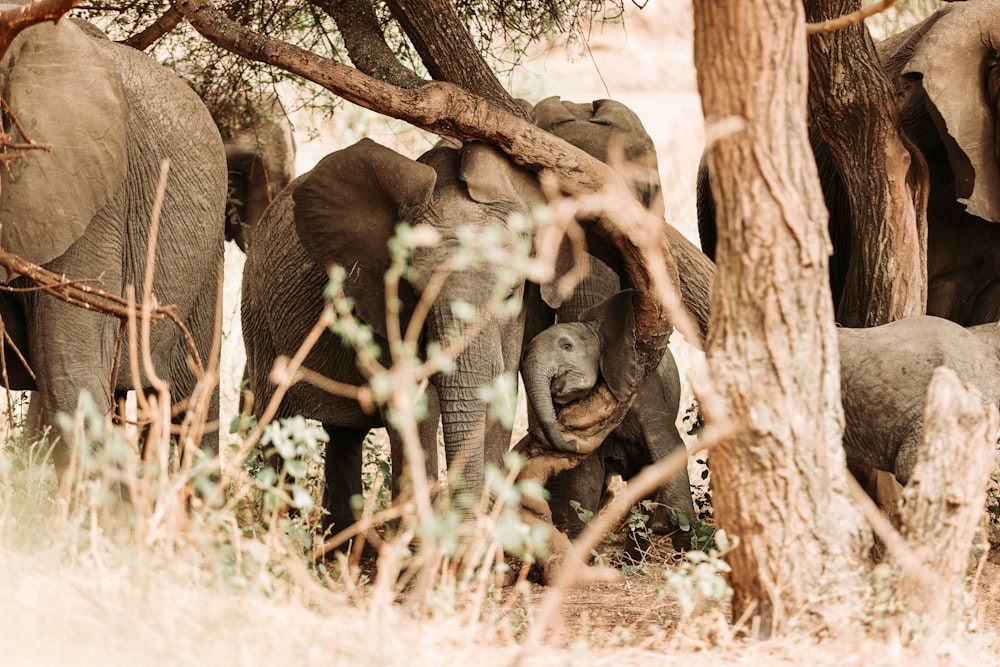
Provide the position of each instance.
(853, 111)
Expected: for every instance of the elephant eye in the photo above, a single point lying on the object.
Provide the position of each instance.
(566, 345)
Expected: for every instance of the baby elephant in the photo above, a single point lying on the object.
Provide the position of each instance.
(884, 375)
(563, 364)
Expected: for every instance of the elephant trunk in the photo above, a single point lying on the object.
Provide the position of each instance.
(537, 375)
(463, 410)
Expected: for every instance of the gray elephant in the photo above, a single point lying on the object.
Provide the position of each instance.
(946, 72)
(260, 157)
(563, 364)
(112, 115)
(343, 212)
(884, 375)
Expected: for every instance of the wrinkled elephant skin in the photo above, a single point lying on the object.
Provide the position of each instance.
(564, 363)
(343, 213)
(128, 114)
(885, 373)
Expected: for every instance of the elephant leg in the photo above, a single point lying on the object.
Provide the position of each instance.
(427, 431)
(585, 485)
(344, 455)
(203, 326)
(71, 353)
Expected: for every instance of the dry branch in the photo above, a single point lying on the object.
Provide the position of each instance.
(15, 19)
(11, 150)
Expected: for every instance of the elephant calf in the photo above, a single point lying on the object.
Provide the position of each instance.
(885, 372)
(563, 364)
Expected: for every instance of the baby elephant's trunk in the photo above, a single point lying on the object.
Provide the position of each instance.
(538, 375)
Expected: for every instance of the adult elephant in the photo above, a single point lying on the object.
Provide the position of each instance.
(343, 212)
(83, 211)
(946, 72)
(260, 158)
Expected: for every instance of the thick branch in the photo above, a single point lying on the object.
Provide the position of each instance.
(16, 19)
(365, 42)
(447, 50)
(160, 27)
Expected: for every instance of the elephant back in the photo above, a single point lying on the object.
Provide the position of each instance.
(48, 198)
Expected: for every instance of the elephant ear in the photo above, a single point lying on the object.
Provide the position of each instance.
(63, 92)
(954, 57)
(606, 130)
(619, 361)
(346, 210)
(491, 177)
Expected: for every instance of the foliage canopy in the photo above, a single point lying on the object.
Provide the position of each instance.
(232, 86)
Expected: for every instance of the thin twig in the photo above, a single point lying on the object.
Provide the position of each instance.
(857, 16)
(574, 564)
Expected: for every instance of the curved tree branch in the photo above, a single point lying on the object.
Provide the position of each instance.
(169, 20)
(16, 19)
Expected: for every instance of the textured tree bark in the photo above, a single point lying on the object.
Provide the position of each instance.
(852, 105)
(365, 42)
(943, 503)
(779, 485)
(447, 50)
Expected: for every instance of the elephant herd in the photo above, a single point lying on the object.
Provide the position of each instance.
(83, 211)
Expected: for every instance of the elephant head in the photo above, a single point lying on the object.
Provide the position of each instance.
(946, 72)
(260, 157)
(612, 133)
(346, 209)
(565, 362)
(948, 67)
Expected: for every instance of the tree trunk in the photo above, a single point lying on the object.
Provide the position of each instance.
(943, 503)
(448, 51)
(365, 42)
(779, 485)
(852, 106)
